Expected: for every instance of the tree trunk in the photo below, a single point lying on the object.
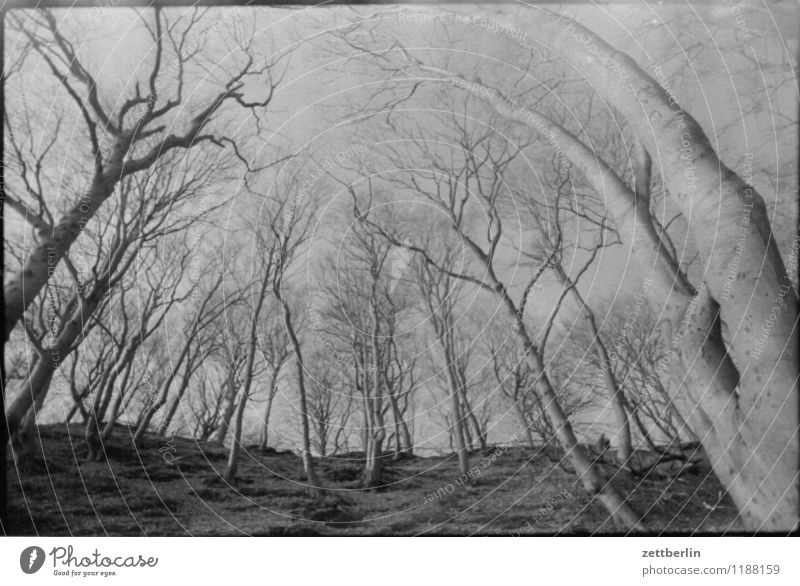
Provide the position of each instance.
(218, 437)
(36, 384)
(471, 419)
(587, 472)
(232, 466)
(760, 374)
(307, 456)
(622, 432)
(458, 420)
(264, 439)
(162, 395)
(407, 440)
(176, 401)
(31, 278)
(764, 487)
(523, 420)
(108, 430)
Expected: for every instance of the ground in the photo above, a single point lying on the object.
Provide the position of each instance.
(173, 486)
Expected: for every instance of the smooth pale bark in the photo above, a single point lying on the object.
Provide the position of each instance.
(36, 384)
(458, 419)
(374, 450)
(23, 443)
(31, 278)
(587, 472)
(263, 441)
(622, 433)
(232, 465)
(470, 415)
(252, 345)
(763, 485)
(436, 291)
(728, 221)
(593, 482)
(307, 457)
(218, 437)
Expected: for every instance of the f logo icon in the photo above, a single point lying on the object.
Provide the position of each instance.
(31, 559)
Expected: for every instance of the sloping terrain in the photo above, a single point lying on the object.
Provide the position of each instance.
(173, 486)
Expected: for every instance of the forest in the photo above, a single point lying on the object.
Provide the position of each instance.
(399, 270)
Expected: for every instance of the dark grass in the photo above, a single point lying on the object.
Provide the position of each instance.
(140, 492)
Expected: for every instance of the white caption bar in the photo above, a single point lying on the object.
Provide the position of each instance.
(399, 561)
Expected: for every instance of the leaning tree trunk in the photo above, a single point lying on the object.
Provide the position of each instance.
(585, 468)
(750, 320)
(161, 399)
(252, 343)
(37, 382)
(622, 434)
(31, 278)
(23, 442)
(763, 485)
(307, 456)
(592, 480)
(218, 436)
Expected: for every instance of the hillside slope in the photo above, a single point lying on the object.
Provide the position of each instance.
(173, 486)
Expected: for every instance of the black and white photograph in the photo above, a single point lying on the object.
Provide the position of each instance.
(376, 269)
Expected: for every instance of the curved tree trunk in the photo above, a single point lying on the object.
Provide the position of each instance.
(763, 486)
(587, 472)
(36, 384)
(759, 305)
(32, 276)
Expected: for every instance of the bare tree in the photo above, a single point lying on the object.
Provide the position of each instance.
(208, 308)
(275, 350)
(363, 311)
(477, 172)
(439, 292)
(121, 143)
(266, 256)
(329, 405)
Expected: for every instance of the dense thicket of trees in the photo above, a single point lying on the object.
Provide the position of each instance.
(544, 231)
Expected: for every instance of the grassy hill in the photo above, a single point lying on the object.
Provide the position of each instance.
(173, 486)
